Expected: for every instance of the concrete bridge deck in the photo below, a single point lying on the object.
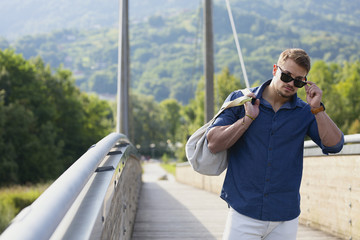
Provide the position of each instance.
(171, 210)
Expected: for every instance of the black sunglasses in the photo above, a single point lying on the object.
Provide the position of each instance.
(298, 82)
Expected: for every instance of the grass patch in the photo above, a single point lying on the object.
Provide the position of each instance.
(169, 167)
(14, 199)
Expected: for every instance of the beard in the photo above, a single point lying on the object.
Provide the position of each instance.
(282, 94)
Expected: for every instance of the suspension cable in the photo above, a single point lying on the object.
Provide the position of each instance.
(237, 43)
(197, 50)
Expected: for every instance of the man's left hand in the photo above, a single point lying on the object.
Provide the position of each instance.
(313, 94)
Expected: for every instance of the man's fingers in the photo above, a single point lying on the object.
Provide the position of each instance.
(252, 95)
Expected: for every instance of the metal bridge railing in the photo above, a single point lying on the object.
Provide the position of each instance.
(76, 205)
(351, 146)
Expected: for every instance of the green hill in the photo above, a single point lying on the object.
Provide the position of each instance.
(166, 41)
(42, 16)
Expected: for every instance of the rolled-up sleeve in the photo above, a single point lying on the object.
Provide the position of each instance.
(313, 133)
(334, 149)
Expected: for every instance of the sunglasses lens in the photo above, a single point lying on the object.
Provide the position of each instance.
(299, 83)
(286, 78)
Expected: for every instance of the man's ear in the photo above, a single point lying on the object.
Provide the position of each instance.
(274, 69)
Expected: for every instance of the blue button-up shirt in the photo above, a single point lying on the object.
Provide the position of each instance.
(265, 165)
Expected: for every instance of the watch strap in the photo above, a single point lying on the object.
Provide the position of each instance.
(318, 109)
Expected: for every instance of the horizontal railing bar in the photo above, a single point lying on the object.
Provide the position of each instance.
(85, 219)
(351, 146)
(81, 217)
(353, 138)
(40, 219)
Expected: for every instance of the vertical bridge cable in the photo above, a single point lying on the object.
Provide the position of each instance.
(196, 47)
(237, 43)
(119, 94)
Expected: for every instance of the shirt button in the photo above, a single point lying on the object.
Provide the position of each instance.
(265, 195)
(269, 164)
(267, 179)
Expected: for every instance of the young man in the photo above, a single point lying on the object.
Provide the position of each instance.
(265, 141)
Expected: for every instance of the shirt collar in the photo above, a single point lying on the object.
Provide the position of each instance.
(293, 103)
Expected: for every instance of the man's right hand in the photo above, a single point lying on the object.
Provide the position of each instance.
(252, 109)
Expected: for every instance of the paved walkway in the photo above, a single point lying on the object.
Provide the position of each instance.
(171, 210)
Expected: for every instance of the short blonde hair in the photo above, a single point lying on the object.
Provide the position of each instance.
(299, 56)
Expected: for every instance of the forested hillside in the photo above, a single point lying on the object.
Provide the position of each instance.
(166, 47)
(41, 16)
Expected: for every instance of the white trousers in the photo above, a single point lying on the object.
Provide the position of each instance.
(241, 227)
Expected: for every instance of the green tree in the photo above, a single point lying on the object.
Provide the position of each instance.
(147, 131)
(170, 116)
(25, 123)
(98, 117)
(225, 83)
(340, 85)
(46, 123)
(348, 89)
(103, 82)
(325, 77)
